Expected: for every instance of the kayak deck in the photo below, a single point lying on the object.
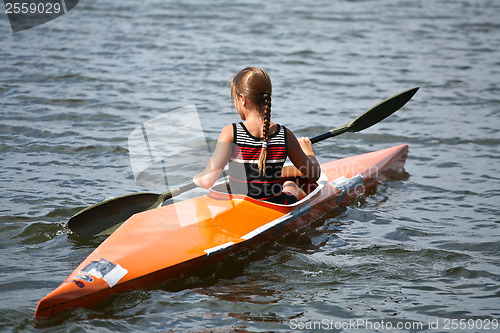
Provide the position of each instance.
(179, 239)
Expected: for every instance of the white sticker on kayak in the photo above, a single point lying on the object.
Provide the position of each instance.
(115, 275)
(346, 185)
(105, 270)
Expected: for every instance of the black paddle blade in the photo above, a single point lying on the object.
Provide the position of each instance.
(104, 215)
(381, 111)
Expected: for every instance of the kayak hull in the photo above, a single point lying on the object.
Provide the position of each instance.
(180, 239)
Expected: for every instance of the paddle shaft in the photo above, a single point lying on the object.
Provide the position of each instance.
(175, 192)
(329, 134)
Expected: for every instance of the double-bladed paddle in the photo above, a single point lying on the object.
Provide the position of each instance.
(109, 214)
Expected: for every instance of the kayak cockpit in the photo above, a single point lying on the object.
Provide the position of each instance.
(221, 190)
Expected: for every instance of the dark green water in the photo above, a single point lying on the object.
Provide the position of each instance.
(422, 250)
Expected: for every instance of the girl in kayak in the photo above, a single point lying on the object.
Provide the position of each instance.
(257, 148)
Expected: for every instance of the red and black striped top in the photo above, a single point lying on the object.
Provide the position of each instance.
(244, 174)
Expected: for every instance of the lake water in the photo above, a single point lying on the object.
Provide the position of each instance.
(421, 252)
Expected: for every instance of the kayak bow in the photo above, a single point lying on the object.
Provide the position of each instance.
(182, 238)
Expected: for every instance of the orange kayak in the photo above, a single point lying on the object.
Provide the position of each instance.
(182, 238)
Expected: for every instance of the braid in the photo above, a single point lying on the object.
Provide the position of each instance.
(266, 99)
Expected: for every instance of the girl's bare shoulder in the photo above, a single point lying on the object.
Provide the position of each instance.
(227, 134)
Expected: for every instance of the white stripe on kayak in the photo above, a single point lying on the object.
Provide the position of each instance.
(294, 214)
(218, 248)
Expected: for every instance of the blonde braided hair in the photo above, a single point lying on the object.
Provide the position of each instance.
(266, 97)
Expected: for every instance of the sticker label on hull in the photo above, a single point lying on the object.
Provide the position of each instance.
(346, 185)
(85, 277)
(105, 270)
